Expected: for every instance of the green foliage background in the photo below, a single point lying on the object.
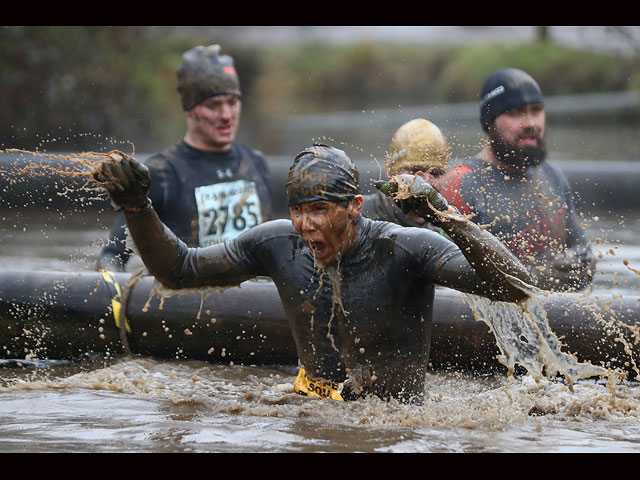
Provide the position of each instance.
(80, 87)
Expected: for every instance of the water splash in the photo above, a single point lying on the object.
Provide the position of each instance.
(523, 336)
(76, 169)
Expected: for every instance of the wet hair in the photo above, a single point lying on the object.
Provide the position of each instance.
(322, 172)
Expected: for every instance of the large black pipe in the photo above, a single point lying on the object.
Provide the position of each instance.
(56, 315)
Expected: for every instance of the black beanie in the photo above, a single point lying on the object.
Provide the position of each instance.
(506, 89)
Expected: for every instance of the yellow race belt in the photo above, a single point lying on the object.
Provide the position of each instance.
(305, 385)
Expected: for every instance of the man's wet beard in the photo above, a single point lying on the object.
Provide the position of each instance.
(519, 157)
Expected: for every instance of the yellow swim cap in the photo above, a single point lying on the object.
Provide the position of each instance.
(418, 143)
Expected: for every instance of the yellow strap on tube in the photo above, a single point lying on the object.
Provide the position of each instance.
(116, 298)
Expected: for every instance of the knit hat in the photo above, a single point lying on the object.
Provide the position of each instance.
(205, 73)
(504, 90)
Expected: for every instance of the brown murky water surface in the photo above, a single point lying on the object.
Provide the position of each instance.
(145, 405)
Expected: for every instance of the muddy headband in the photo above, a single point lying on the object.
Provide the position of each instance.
(322, 172)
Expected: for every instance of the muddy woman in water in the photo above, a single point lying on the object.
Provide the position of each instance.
(358, 294)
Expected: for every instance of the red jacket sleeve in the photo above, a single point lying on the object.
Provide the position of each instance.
(451, 188)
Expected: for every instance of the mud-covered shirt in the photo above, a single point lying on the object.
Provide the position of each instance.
(532, 213)
(203, 197)
(369, 315)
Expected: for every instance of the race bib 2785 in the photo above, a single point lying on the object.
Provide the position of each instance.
(225, 210)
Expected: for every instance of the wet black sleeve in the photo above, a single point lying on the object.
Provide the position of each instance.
(443, 263)
(232, 262)
(480, 269)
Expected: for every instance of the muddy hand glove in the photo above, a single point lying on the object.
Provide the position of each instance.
(126, 180)
(413, 193)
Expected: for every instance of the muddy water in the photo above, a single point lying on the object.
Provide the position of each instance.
(143, 405)
(133, 404)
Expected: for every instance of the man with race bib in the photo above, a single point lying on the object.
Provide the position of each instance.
(207, 188)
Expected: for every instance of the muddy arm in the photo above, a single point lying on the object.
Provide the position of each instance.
(502, 271)
(506, 278)
(165, 256)
(158, 247)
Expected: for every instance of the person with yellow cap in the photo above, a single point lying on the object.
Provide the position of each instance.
(207, 187)
(417, 148)
(358, 294)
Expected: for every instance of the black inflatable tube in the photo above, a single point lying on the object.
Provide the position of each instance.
(62, 315)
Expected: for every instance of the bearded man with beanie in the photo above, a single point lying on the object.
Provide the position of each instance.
(208, 187)
(510, 189)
